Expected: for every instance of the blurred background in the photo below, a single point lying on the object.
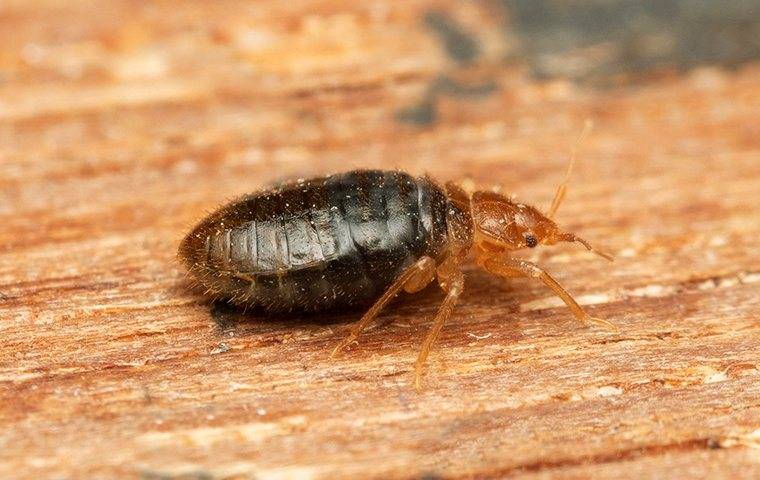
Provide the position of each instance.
(274, 84)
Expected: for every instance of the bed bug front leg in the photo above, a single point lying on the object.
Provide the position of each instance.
(413, 279)
(511, 268)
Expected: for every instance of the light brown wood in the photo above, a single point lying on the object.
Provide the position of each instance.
(121, 123)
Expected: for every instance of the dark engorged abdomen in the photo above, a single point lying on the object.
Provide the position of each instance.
(318, 244)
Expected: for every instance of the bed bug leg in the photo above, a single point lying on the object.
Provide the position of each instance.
(511, 268)
(413, 279)
(451, 280)
(416, 283)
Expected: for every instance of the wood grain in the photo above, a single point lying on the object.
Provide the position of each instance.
(122, 122)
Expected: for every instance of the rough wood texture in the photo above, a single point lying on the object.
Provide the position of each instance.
(121, 122)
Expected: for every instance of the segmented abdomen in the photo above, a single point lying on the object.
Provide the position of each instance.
(318, 244)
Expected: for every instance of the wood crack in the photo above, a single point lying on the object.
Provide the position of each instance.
(702, 443)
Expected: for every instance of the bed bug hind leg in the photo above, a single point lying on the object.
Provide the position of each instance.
(413, 279)
(451, 281)
(511, 268)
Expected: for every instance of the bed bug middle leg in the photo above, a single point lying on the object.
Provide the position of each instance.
(504, 266)
(451, 280)
(413, 279)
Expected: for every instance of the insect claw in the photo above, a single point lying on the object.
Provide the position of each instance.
(603, 323)
(341, 346)
(336, 350)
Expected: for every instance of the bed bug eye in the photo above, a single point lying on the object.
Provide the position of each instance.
(530, 240)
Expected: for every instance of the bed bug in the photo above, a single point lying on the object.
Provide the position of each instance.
(360, 238)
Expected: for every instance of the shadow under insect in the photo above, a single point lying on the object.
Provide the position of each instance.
(228, 316)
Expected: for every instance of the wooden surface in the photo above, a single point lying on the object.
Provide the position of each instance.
(122, 122)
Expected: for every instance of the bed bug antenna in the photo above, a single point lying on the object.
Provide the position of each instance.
(562, 189)
(571, 237)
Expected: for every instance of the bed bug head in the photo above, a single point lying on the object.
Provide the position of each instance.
(504, 224)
